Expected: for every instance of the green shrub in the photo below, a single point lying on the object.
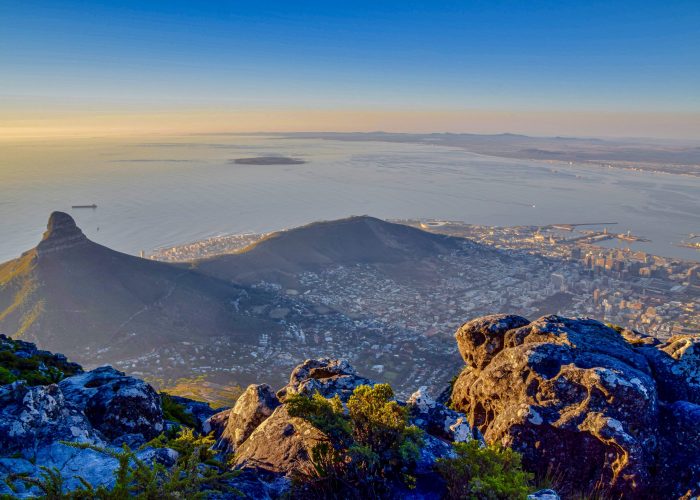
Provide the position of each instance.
(371, 445)
(490, 473)
(176, 412)
(380, 424)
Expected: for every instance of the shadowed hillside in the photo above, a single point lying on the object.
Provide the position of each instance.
(77, 296)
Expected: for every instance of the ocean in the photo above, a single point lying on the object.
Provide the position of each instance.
(160, 191)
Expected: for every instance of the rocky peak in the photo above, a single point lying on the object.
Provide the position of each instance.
(61, 233)
(601, 408)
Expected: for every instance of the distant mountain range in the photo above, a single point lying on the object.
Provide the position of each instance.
(643, 154)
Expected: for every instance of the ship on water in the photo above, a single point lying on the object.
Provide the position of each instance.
(84, 206)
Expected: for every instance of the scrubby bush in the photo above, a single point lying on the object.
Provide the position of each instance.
(380, 424)
(484, 472)
(327, 415)
(371, 445)
(36, 367)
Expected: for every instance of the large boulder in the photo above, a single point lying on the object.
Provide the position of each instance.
(603, 410)
(482, 338)
(329, 377)
(572, 395)
(282, 444)
(34, 417)
(115, 403)
(255, 405)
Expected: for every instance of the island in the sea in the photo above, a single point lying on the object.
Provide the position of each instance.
(268, 160)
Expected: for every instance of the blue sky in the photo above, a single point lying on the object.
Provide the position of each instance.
(524, 56)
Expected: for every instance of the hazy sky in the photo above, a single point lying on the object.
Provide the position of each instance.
(624, 68)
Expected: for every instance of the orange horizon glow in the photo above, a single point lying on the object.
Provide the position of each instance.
(36, 124)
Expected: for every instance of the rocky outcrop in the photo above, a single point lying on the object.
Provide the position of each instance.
(61, 233)
(32, 418)
(116, 404)
(329, 377)
(281, 444)
(579, 401)
(102, 408)
(253, 406)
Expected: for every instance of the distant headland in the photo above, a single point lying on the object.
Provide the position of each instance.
(268, 160)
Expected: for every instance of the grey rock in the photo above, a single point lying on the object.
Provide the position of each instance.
(676, 368)
(34, 417)
(115, 403)
(200, 410)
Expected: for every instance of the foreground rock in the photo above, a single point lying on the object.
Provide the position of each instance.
(280, 447)
(103, 408)
(329, 377)
(281, 444)
(581, 403)
(32, 418)
(116, 404)
(255, 405)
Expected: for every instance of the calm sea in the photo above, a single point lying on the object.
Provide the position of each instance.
(168, 190)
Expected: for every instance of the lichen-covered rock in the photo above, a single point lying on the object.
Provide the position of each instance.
(115, 403)
(439, 420)
(35, 417)
(597, 407)
(328, 377)
(281, 444)
(253, 406)
(482, 338)
(676, 368)
(571, 395)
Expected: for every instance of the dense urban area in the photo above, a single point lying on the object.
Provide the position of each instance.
(374, 315)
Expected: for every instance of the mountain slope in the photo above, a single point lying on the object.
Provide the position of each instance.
(77, 296)
(355, 240)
